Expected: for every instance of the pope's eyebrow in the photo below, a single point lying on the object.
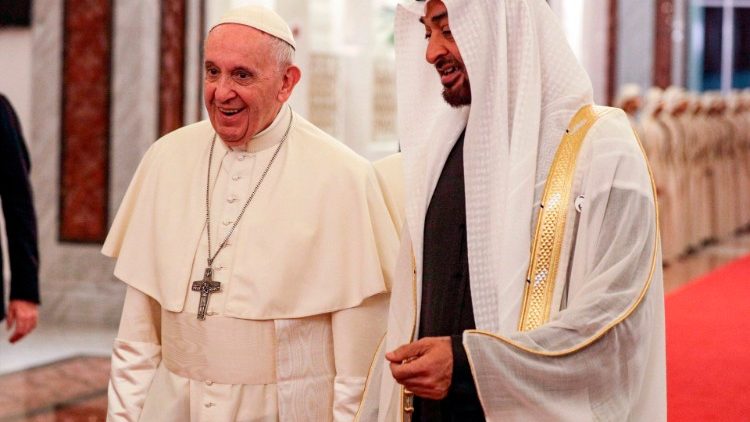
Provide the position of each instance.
(435, 19)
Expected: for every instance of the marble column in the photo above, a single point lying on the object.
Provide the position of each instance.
(663, 43)
(77, 282)
(613, 35)
(635, 43)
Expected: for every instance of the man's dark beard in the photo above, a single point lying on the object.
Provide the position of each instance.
(460, 97)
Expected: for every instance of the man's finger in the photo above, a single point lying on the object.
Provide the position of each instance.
(401, 354)
(420, 389)
(405, 371)
(16, 336)
(10, 318)
(22, 329)
(406, 352)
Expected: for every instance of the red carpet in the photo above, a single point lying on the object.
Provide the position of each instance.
(708, 347)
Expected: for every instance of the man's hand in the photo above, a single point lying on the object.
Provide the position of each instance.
(23, 315)
(424, 367)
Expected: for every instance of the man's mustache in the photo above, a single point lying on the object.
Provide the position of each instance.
(448, 62)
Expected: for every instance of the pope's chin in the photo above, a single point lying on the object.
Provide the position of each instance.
(232, 135)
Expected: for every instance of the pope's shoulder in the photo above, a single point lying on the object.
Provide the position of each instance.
(197, 133)
(325, 151)
(322, 152)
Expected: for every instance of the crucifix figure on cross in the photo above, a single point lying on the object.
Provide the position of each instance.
(205, 287)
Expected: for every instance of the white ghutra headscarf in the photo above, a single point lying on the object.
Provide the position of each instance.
(526, 85)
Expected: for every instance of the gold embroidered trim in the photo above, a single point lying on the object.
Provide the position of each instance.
(407, 398)
(550, 227)
(368, 379)
(605, 329)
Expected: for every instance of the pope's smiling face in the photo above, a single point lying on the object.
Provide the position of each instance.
(442, 52)
(244, 86)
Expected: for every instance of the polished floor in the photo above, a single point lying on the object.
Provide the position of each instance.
(59, 374)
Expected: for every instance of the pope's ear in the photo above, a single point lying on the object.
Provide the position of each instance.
(291, 76)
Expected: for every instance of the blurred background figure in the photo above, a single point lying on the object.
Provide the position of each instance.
(699, 152)
(20, 227)
(656, 142)
(629, 99)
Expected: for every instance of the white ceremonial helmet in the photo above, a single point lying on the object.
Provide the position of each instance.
(627, 93)
(653, 100)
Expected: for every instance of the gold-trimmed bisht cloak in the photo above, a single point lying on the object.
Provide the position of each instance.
(600, 353)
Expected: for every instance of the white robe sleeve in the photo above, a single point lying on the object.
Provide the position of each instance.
(135, 357)
(356, 335)
(602, 356)
(390, 173)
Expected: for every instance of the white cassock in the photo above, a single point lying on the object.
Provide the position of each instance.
(716, 170)
(726, 181)
(678, 141)
(739, 167)
(743, 130)
(601, 356)
(656, 134)
(692, 194)
(305, 280)
(701, 160)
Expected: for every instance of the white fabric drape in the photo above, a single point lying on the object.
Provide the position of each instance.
(601, 356)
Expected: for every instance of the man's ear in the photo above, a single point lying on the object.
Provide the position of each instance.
(291, 76)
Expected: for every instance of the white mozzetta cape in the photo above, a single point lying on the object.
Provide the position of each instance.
(314, 240)
(602, 354)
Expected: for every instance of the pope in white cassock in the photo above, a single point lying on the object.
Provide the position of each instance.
(528, 285)
(257, 251)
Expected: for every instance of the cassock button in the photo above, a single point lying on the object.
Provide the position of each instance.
(209, 383)
(209, 404)
(242, 157)
(227, 222)
(236, 177)
(232, 199)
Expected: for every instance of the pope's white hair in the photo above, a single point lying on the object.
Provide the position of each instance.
(281, 50)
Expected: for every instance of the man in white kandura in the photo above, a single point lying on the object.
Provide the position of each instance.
(257, 252)
(480, 328)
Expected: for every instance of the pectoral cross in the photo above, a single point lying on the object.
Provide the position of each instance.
(206, 287)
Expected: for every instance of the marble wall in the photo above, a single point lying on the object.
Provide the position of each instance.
(77, 282)
(635, 52)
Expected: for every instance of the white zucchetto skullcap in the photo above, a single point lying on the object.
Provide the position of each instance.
(261, 18)
(628, 92)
